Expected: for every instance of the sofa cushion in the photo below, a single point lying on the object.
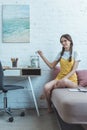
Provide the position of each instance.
(82, 77)
(71, 106)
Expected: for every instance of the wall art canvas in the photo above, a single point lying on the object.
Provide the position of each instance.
(15, 24)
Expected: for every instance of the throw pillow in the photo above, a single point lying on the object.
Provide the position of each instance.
(82, 77)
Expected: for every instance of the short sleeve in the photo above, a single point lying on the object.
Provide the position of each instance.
(57, 57)
(77, 56)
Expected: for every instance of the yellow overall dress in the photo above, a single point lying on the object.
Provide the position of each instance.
(65, 68)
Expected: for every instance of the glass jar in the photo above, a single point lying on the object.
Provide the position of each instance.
(34, 61)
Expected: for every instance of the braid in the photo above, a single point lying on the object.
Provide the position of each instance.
(61, 54)
(70, 58)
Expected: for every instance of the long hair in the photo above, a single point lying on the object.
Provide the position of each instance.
(68, 37)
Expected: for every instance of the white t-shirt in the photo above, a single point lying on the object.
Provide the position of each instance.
(66, 55)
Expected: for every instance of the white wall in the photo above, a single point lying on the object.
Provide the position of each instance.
(49, 19)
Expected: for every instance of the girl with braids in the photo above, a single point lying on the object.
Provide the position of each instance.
(69, 61)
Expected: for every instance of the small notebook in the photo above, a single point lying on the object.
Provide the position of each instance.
(80, 89)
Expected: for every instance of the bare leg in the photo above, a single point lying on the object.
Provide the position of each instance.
(48, 90)
(56, 84)
(65, 83)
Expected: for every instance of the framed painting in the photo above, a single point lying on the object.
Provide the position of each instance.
(15, 24)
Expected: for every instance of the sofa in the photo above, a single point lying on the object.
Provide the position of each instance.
(71, 106)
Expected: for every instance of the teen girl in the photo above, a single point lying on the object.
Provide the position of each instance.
(69, 60)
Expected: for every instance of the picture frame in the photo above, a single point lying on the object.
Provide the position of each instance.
(15, 24)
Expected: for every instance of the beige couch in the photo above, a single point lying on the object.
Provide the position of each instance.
(71, 106)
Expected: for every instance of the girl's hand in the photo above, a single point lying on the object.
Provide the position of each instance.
(40, 52)
(60, 83)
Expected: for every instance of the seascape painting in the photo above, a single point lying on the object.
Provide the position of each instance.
(15, 24)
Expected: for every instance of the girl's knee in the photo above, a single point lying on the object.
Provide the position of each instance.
(64, 81)
(46, 87)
